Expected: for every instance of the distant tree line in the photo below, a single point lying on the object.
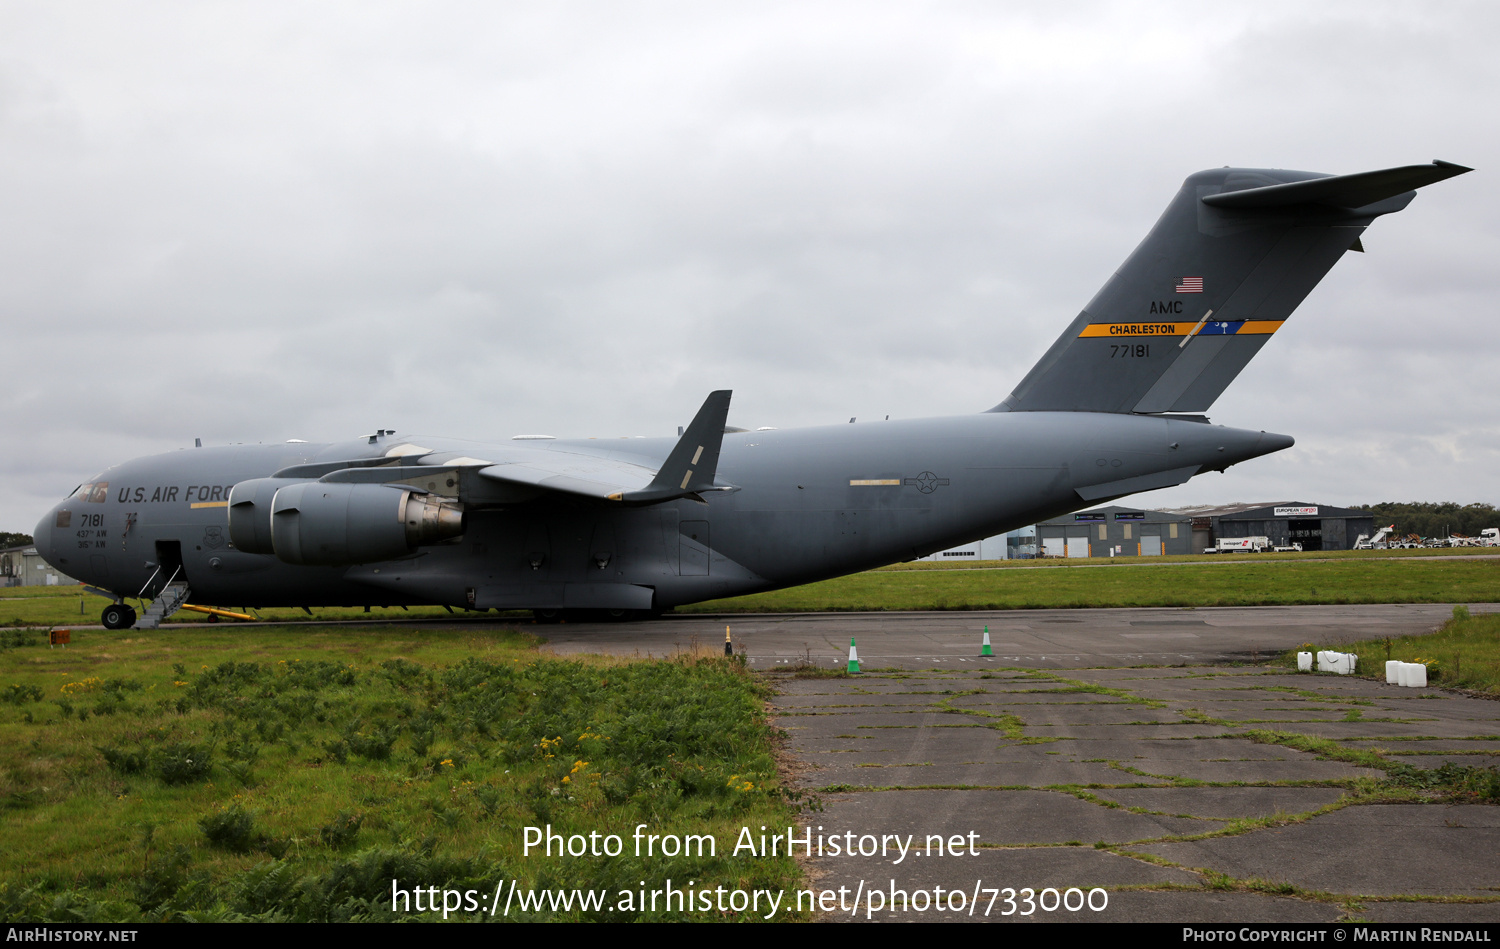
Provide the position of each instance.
(8, 539)
(1434, 520)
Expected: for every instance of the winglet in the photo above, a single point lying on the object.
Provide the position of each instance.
(691, 466)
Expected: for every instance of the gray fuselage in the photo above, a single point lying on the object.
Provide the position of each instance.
(795, 506)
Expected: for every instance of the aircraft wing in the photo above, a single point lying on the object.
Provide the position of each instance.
(586, 475)
(687, 471)
(589, 476)
(549, 470)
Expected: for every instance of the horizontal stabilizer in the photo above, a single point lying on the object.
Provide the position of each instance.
(1339, 191)
(1149, 482)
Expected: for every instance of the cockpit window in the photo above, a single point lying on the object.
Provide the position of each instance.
(95, 492)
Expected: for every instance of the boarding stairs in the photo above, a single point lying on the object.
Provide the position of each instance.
(167, 602)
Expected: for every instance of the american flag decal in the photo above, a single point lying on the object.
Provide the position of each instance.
(1190, 285)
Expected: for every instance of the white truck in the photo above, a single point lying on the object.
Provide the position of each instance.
(1226, 545)
(1490, 537)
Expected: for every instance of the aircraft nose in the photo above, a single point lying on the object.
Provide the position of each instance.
(41, 535)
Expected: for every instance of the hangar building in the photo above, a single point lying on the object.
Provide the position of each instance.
(24, 567)
(1115, 531)
(1020, 544)
(1314, 526)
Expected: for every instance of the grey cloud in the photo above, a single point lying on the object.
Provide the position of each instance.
(253, 223)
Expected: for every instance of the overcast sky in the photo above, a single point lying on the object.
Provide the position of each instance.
(256, 221)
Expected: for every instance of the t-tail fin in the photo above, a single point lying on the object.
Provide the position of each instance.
(1235, 253)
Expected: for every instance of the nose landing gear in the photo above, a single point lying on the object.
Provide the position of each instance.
(118, 616)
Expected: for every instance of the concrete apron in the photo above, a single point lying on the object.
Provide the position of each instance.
(1036, 785)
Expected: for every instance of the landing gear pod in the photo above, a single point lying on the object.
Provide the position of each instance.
(321, 523)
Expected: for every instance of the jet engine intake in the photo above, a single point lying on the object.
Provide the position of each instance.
(250, 513)
(324, 523)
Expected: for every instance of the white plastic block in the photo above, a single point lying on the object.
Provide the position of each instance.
(1339, 662)
(1413, 675)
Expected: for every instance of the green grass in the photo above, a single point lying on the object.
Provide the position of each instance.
(296, 772)
(1452, 782)
(1262, 558)
(1256, 583)
(1334, 577)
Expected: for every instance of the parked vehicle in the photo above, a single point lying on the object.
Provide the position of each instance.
(1366, 542)
(1252, 544)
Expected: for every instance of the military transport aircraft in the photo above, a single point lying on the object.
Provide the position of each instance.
(636, 526)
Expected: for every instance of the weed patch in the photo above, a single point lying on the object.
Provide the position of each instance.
(296, 787)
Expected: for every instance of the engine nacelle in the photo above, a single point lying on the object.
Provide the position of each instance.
(250, 513)
(315, 522)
